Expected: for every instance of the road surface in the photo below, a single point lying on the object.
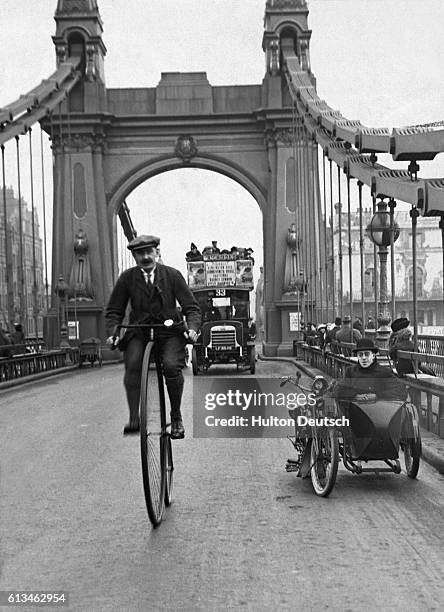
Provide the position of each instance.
(242, 534)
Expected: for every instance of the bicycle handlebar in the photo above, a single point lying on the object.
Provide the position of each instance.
(150, 325)
(168, 324)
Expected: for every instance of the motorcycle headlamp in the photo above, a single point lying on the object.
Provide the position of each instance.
(319, 384)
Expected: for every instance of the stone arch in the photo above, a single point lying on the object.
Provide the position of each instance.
(143, 172)
(75, 29)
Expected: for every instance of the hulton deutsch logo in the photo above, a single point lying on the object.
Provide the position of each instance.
(249, 408)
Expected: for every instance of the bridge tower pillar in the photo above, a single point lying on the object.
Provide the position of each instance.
(285, 27)
(78, 143)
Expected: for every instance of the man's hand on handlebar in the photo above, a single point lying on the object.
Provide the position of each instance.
(113, 341)
(192, 335)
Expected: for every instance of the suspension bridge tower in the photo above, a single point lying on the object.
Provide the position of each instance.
(108, 141)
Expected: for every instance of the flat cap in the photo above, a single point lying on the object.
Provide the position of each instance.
(143, 242)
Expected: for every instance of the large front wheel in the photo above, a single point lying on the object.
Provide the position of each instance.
(169, 467)
(152, 435)
(324, 460)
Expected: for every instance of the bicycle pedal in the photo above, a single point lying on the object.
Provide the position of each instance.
(292, 466)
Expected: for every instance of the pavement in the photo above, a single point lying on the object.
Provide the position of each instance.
(432, 445)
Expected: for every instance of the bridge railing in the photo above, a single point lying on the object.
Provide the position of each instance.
(426, 391)
(19, 366)
(434, 345)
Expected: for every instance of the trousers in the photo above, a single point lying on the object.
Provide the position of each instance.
(172, 354)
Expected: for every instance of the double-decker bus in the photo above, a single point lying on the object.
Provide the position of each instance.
(221, 283)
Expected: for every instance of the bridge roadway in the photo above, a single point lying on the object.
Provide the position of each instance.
(242, 534)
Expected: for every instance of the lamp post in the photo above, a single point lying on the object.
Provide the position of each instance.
(61, 290)
(379, 230)
(296, 281)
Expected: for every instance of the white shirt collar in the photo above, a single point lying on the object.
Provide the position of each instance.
(150, 274)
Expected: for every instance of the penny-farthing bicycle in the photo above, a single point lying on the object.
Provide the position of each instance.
(155, 428)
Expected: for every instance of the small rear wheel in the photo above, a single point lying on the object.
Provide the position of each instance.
(324, 460)
(411, 442)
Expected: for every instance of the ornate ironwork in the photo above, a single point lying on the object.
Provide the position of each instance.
(79, 142)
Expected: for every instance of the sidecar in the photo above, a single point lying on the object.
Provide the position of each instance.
(377, 431)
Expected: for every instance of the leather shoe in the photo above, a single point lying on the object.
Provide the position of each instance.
(177, 429)
(131, 428)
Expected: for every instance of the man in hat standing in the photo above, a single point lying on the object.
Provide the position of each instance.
(347, 333)
(401, 339)
(193, 254)
(369, 377)
(330, 336)
(152, 289)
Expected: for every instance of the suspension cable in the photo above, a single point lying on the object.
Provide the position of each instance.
(61, 262)
(9, 294)
(392, 205)
(350, 266)
(317, 232)
(361, 253)
(324, 221)
(333, 271)
(44, 215)
(34, 274)
(23, 287)
(307, 227)
(325, 237)
(341, 280)
(375, 266)
(414, 214)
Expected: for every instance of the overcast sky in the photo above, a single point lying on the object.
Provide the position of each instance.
(379, 61)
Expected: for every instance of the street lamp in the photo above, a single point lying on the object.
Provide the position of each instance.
(378, 230)
(293, 243)
(296, 281)
(61, 290)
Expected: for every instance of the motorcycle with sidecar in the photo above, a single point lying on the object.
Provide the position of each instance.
(366, 433)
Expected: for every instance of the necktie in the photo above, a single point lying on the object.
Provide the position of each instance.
(147, 278)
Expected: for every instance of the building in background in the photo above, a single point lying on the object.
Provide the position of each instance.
(20, 301)
(429, 269)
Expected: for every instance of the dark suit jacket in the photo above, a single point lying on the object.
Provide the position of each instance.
(376, 379)
(169, 287)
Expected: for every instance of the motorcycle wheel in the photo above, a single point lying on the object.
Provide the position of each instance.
(411, 462)
(324, 461)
